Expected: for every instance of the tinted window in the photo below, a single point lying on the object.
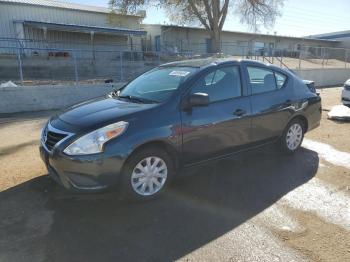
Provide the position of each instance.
(261, 80)
(280, 79)
(209, 78)
(220, 84)
(214, 77)
(158, 84)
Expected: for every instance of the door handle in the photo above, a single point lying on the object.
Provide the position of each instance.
(239, 112)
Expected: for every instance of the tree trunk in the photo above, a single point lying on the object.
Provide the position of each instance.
(215, 46)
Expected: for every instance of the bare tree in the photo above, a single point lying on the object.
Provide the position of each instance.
(209, 13)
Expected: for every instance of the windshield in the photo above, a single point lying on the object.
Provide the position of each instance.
(156, 85)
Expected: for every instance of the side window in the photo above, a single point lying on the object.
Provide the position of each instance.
(219, 74)
(209, 78)
(261, 80)
(280, 80)
(220, 84)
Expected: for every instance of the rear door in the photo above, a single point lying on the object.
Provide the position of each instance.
(224, 125)
(271, 102)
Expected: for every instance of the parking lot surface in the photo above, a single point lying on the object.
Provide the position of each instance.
(259, 206)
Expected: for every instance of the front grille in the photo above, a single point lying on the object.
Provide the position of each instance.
(347, 87)
(53, 138)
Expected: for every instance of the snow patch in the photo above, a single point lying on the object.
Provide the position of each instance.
(321, 199)
(329, 153)
(339, 112)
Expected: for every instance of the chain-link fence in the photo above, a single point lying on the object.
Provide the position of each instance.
(32, 66)
(28, 64)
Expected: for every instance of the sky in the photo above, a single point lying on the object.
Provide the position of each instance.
(299, 17)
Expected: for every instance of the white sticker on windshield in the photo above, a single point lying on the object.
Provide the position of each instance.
(179, 73)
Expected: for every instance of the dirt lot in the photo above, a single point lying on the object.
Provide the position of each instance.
(260, 206)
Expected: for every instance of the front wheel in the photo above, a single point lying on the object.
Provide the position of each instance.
(147, 173)
(292, 136)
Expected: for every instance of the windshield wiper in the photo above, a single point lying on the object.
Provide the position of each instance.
(137, 99)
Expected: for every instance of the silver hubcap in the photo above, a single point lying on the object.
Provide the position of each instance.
(149, 176)
(294, 136)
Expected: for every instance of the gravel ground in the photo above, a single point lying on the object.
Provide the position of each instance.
(260, 206)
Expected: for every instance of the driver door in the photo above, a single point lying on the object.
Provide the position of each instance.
(221, 127)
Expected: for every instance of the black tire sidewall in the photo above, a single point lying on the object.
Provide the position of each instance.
(283, 141)
(127, 190)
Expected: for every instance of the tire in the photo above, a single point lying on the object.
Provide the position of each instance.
(292, 136)
(140, 174)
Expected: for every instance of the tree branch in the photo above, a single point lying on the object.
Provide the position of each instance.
(196, 12)
(223, 14)
(208, 10)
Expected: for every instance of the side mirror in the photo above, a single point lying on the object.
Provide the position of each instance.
(199, 99)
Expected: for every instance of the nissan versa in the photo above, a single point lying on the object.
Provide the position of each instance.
(175, 116)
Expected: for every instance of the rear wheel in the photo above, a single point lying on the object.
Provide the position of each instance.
(147, 173)
(293, 136)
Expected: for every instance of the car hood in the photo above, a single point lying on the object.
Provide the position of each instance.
(96, 113)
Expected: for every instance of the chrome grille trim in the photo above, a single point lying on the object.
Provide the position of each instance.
(50, 129)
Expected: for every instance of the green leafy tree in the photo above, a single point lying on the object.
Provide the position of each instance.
(209, 13)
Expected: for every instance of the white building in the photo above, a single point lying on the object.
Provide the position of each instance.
(53, 24)
(193, 39)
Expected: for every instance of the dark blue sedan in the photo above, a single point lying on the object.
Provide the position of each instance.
(175, 116)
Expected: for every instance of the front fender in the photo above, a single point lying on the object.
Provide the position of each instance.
(125, 146)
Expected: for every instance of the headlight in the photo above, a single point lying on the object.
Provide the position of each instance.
(93, 142)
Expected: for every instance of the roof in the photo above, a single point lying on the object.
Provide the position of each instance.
(332, 35)
(194, 62)
(64, 5)
(204, 62)
(246, 33)
(82, 28)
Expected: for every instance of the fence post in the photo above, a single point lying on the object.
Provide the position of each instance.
(75, 69)
(322, 52)
(20, 65)
(121, 65)
(346, 57)
(158, 58)
(300, 59)
(281, 60)
(272, 55)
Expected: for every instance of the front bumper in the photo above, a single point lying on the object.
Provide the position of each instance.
(91, 173)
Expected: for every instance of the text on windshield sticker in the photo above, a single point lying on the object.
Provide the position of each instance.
(179, 73)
